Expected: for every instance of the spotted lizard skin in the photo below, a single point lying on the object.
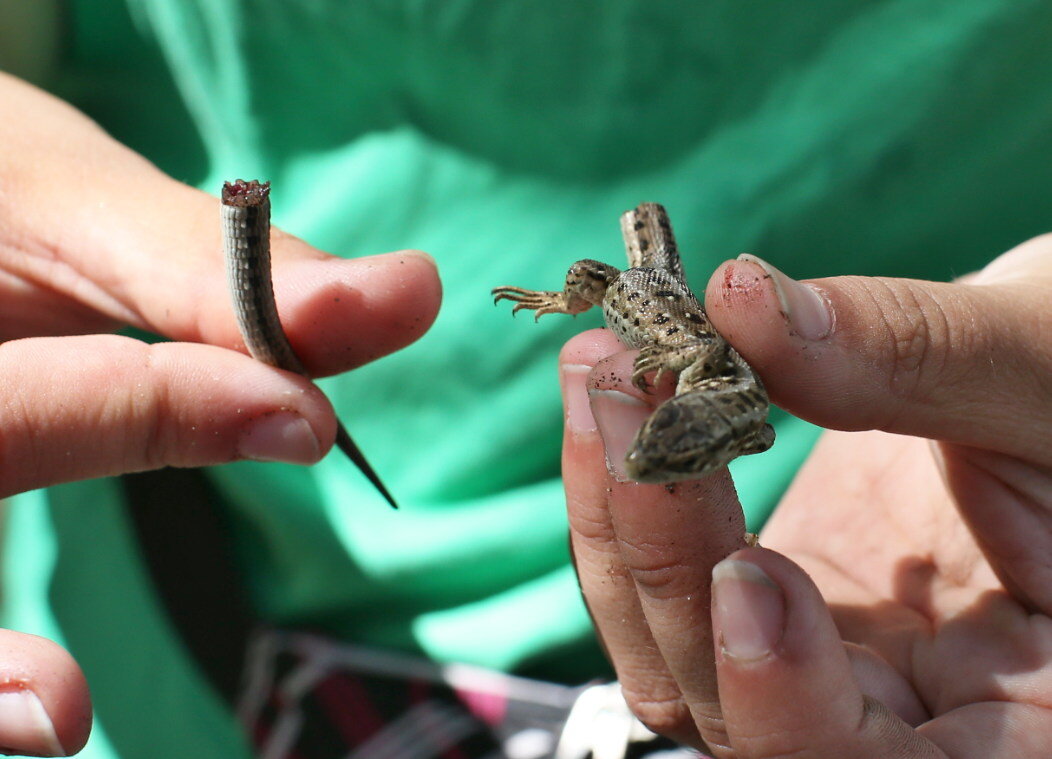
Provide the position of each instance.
(719, 410)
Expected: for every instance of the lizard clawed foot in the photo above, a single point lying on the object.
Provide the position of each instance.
(541, 301)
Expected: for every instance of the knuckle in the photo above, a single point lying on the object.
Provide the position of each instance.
(132, 407)
(656, 573)
(700, 725)
(21, 453)
(154, 430)
(909, 334)
(664, 716)
(922, 331)
(100, 413)
(131, 412)
(588, 523)
(879, 724)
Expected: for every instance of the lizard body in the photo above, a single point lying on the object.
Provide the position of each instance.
(719, 410)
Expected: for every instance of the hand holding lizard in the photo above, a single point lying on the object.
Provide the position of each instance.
(922, 627)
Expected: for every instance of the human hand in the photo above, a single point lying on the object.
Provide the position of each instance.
(921, 627)
(93, 237)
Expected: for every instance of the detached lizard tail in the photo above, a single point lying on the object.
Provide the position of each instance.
(354, 453)
(246, 243)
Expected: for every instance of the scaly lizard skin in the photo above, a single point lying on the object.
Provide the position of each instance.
(719, 411)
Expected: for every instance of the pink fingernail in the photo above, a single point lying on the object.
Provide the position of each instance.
(748, 610)
(25, 726)
(575, 392)
(619, 417)
(281, 436)
(803, 305)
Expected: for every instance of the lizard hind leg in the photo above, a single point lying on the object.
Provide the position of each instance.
(586, 284)
(687, 358)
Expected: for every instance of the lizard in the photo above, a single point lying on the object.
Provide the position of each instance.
(719, 409)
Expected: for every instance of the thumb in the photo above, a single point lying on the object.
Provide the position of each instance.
(964, 363)
(45, 706)
(787, 685)
(93, 237)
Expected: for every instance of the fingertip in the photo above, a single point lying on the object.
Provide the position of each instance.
(778, 597)
(45, 703)
(279, 436)
(787, 684)
(342, 313)
(590, 347)
(743, 305)
(338, 313)
(618, 417)
(783, 671)
(413, 253)
(116, 405)
(573, 379)
(749, 611)
(577, 359)
(416, 271)
(945, 361)
(774, 321)
(858, 353)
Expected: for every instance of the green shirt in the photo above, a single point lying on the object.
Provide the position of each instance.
(895, 137)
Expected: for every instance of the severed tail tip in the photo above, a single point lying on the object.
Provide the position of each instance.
(243, 194)
(348, 446)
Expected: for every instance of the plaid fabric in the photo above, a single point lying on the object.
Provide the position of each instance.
(302, 696)
(306, 697)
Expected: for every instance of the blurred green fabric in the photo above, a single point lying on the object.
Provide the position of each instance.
(893, 137)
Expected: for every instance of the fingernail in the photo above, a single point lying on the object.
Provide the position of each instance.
(748, 610)
(25, 725)
(618, 417)
(575, 394)
(423, 255)
(281, 436)
(804, 306)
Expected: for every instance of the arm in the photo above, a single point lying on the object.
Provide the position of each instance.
(900, 605)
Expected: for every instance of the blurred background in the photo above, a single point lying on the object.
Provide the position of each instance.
(891, 137)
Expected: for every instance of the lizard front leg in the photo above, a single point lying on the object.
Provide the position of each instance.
(586, 284)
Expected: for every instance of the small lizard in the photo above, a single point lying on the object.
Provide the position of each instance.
(719, 411)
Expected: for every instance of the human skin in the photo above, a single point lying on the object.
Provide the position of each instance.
(92, 238)
(871, 521)
(899, 606)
